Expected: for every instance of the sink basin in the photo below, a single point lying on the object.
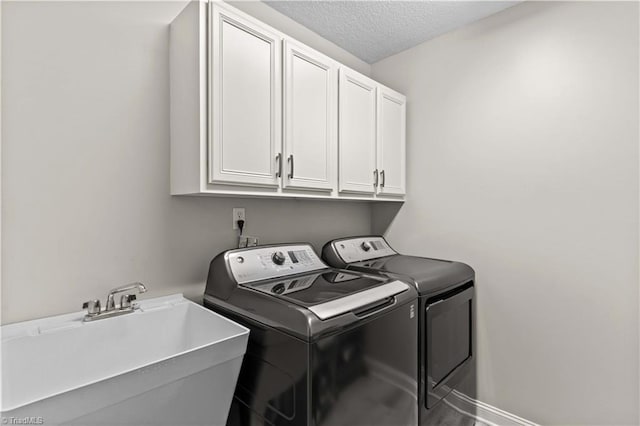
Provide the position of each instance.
(172, 362)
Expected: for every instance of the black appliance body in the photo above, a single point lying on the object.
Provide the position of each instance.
(326, 347)
(446, 311)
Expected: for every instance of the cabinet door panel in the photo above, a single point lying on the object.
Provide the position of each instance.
(391, 142)
(245, 98)
(310, 105)
(357, 133)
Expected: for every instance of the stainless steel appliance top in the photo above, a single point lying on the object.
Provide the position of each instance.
(288, 286)
(373, 254)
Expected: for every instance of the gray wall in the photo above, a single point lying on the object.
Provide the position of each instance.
(85, 163)
(523, 162)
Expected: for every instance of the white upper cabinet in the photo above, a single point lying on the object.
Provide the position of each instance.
(245, 100)
(255, 113)
(391, 141)
(310, 114)
(357, 133)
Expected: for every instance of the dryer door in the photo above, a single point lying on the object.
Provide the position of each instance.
(449, 341)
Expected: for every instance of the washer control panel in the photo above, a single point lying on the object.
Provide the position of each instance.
(261, 263)
(362, 248)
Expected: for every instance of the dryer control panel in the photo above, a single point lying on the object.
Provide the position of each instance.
(362, 248)
(261, 263)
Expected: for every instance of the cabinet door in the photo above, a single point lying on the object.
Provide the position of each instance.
(245, 100)
(357, 133)
(391, 141)
(310, 115)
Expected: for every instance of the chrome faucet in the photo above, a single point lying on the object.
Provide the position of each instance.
(94, 311)
(111, 304)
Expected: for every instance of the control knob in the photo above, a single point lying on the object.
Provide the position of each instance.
(278, 258)
(365, 246)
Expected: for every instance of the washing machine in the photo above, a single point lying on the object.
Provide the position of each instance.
(326, 347)
(446, 317)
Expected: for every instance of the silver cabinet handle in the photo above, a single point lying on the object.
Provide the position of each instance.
(375, 178)
(279, 169)
(382, 179)
(290, 176)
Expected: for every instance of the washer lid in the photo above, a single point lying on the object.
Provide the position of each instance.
(317, 288)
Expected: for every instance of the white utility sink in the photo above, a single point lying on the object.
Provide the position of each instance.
(172, 362)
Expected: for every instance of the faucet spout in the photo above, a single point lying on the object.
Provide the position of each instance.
(111, 304)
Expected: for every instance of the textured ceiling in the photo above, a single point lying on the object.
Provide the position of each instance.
(374, 30)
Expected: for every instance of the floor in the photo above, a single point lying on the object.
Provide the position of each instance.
(444, 415)
(381, 404)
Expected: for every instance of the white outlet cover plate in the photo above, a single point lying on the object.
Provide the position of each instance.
(238, 214)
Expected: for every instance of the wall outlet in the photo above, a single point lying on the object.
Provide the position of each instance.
(238, 214)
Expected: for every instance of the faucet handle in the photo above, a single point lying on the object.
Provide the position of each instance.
(92, 306)
(126, 299)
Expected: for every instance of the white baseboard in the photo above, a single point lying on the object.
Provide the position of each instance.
(485, 414)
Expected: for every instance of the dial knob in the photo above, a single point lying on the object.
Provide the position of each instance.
(365, 246)
(278, 258)
(278, 288)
